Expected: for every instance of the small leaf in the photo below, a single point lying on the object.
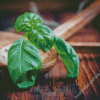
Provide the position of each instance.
(68, 56)
(25, 22)
(42, 37)
(24, 63)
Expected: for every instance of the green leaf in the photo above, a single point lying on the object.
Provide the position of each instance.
(24, 63)
(68, 56)
(25, 22)
(42, 37)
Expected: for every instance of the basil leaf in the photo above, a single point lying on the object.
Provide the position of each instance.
(24, 63)
(68, 56)
(42, 37)
(25, 22)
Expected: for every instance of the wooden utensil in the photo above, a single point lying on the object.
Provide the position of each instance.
(6, 40)
(65, 31)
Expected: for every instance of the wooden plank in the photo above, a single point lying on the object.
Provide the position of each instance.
(84, 44)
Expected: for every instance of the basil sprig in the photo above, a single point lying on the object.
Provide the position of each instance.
(24, 60)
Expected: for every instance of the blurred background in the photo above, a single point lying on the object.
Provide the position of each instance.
(58, 11)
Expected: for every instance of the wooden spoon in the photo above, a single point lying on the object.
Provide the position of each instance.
(6, 40)
(65, 31)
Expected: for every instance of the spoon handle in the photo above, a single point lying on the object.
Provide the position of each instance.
(73, 25)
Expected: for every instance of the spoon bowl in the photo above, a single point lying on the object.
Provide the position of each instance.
(48, 59)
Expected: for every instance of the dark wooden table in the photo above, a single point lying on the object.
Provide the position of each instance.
(53, 84)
